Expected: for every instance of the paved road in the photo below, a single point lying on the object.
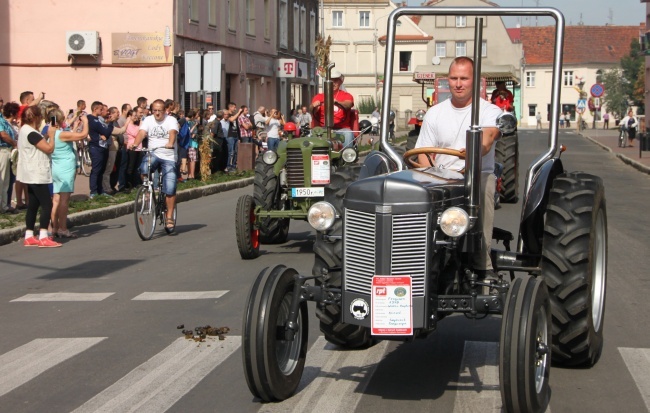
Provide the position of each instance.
(84, 329)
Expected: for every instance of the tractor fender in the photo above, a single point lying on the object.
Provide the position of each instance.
(532, 216)
(376, 163)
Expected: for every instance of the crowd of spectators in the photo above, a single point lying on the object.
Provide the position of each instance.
(40, 146)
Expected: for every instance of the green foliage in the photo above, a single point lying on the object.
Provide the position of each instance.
(631, 66)
(615, 97)
(367, 105)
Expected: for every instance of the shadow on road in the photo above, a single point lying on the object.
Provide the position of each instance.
(90, 269)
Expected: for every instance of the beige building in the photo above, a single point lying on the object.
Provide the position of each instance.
(358, 32)
(589, 51)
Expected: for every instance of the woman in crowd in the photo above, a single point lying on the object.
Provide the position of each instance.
(134, 156)
(35, 171)
(630, 123)
(64, 170)
(194, 120)
(8, 137)
(274, 125)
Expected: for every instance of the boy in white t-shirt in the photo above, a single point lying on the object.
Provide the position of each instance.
(161, 131)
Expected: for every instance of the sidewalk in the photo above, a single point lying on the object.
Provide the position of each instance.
(608, 140)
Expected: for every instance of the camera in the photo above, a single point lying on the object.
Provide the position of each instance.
(53, 120)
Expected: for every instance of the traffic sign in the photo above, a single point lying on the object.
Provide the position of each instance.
(597, 90)
(582, 104)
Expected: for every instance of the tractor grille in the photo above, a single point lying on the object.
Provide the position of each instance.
(359, 245)
(295, 168)
(408, 250)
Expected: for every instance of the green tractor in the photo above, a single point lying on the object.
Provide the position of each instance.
(289, 181)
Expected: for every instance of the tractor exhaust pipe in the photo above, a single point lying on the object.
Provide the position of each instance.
(328, 89)
(474, 136)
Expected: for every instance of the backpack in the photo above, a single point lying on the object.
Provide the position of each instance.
(184, 136)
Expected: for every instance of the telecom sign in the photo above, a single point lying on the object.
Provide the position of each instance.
(597, 90)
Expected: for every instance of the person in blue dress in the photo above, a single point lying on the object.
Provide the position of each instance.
(64, 170)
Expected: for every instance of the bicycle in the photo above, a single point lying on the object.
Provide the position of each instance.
(150, 205)
(622, 137)
(84, 164)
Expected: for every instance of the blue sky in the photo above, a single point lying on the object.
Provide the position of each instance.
(594, 12)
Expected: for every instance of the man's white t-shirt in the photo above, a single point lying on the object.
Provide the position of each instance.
(445, 126)
(158, 133)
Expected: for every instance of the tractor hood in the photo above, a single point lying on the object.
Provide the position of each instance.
(408, 191)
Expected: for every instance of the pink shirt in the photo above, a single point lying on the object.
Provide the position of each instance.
(131, 133)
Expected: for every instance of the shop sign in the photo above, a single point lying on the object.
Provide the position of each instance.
(153, 48)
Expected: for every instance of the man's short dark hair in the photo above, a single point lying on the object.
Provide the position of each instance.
(232, 104)
(141, 100)
(81, 102)
(169, 103)
(242, 107)
(125, 106)
(25, 95)
(95, 105)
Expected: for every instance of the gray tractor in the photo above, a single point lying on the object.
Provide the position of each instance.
(393, 258)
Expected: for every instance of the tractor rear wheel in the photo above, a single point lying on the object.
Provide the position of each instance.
(266, 194)
(574, 266)
(507, 154)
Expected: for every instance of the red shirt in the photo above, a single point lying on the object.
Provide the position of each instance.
(20, 111)
(504, 102)
(342, 118)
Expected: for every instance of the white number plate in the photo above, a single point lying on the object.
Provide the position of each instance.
(307, 192)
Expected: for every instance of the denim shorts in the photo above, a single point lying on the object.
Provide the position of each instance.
(168, 172)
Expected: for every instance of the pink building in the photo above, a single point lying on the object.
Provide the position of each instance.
(117, 52)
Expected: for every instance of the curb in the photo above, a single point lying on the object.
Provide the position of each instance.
(636, 165)
(7, 236)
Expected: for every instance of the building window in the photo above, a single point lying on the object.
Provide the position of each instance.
(484, 48)
(568, 78)
(250, 17)
(404, 61)
(530, 79)
(212, 13)
(364, 19)
(337, 18)
(232, 15)
(532, 110)
(194, 11)
(461, 21)
(312, 32)
(441, 49)
(284, 24)
(296, 27)
(267, 19)
(303, 30)
(461, 49)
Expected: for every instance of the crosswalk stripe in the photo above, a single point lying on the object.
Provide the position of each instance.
(63, 297)
(477, 388)
(158, 383)
(637, 361)
(179, 295)
(323, 388)
(22, 364)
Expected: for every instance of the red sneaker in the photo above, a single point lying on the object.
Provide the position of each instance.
(48, 243)
(31, 242)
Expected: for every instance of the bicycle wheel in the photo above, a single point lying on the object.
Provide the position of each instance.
(145, 213)
(86, 164)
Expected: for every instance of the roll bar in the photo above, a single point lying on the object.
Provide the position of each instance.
(391, 25)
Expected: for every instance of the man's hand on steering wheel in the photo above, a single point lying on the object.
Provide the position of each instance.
(411, 161)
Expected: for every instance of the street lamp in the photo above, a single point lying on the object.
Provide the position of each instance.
(374, 43)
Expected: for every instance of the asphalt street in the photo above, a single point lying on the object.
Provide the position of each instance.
(93, 326)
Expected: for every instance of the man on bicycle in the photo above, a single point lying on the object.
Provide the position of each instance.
(161, 130)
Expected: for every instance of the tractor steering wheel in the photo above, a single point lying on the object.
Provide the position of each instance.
(410, 157)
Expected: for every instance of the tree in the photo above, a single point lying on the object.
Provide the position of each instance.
(632, 66)
(615, 97)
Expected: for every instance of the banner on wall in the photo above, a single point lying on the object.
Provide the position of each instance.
(143, 48)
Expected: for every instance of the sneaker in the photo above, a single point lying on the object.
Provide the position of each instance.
(107, 194)
(48, 243)
(92, 196)
(31, 242)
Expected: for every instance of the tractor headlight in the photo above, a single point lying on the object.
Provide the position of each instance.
(270, 157)
(454, 222)
(321, 216)
(349, 155)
